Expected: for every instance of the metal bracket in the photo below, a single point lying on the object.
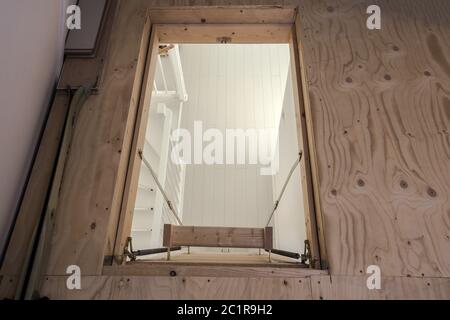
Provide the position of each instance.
(224, 40)
(306, 257)
(128, 250)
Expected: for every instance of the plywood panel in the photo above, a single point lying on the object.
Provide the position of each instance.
(253, 266)
(354, 287)
(116, 287)
(94, 176)
(240, 14)
(379, 103)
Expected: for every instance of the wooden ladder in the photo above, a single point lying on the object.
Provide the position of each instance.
(218, 237)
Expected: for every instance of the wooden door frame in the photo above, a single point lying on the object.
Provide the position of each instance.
(235, 25)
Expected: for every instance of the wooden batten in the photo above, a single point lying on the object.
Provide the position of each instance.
(226, 237)
(259, 14)
(224, 33)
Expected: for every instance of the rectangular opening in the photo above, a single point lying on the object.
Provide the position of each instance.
(222, 141)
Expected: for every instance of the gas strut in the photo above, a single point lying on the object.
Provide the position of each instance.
(132, 254)
(284, 253)
(146, 252)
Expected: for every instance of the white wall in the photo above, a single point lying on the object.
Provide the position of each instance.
(231, 86)
(32, 36)
(290, 228)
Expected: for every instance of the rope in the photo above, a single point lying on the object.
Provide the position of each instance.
(275, 206)
(169, 203)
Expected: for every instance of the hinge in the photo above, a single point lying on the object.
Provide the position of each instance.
(128, 250)
(306, 257)
(224, 40)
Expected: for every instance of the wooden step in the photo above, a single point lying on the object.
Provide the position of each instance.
(223, 237)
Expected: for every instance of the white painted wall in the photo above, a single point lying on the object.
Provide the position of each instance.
(32, 35)
(231, 86)
(290, 228)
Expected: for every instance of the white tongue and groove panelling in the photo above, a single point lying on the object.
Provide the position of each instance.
(231, 86)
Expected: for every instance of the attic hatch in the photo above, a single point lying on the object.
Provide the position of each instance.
(220, 146)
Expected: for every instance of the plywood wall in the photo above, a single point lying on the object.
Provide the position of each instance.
(381, 118)
(379, 102)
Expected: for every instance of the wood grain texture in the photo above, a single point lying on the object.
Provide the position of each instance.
(379, 108)
(94, 178)
(130, 192)
(265, 288)
(239, 14)
(187, 288)
(196, 236)
(236, 33)
(354, 287)
(380, 117)
(196, 269)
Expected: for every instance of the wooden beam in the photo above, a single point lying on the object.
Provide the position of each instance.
(218, 15)
(229, 33)
(309, 171)
(143, 287)
(132, 179)
(227, 237)
(87, 216)
(218, 269)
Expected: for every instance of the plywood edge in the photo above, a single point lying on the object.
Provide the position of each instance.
(208, 270)
(228, 237)
(223, 14)
(355, 287)
(224, 33)
(176, 288)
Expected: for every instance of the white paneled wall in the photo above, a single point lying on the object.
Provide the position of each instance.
(289, 221)
(231, 86)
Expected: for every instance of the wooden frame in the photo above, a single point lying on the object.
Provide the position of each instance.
(214, 27)
(226, 237)
(99, 210)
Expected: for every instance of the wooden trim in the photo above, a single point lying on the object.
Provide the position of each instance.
(132, 179)
(226, 237)
(209, 270)
(242, 33)
(230, 33)
(321, 287)
(87, 216)
(229, 14)
(310, 174)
